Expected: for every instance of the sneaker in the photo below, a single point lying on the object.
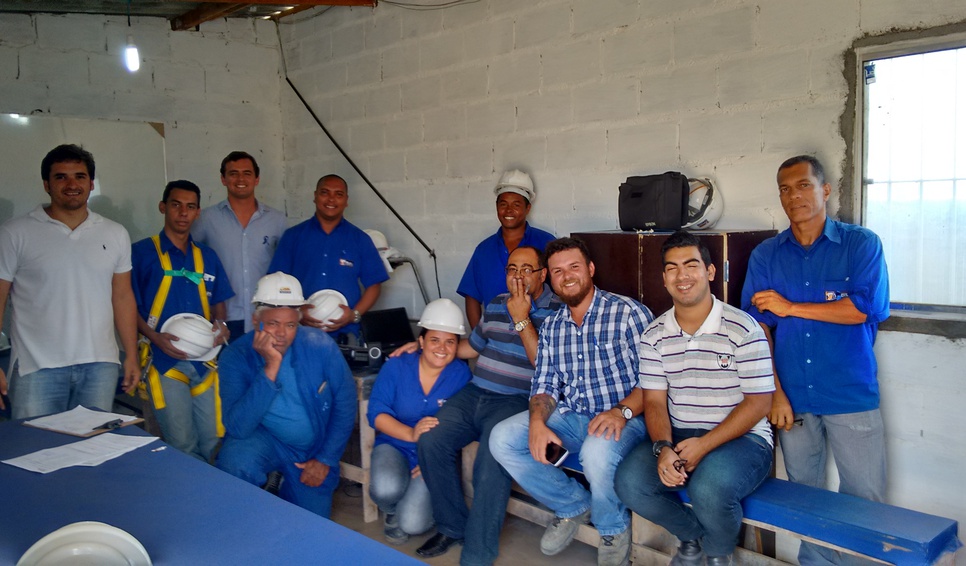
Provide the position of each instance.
(727, 560)
(689, 554)
(392, 532)
(614, 550)
(560, 533)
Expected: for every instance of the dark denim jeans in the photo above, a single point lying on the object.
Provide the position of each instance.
(467, 416)
(716, 487)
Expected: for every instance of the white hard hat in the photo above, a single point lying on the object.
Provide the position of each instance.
(86, 542)
(326, 304)
(443, 315)
(195, 336)
(279, 290)
(378, 239)
(518, 182)
(705, 204)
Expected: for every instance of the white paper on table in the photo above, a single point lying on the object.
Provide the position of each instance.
(79, 421)
(90, 452)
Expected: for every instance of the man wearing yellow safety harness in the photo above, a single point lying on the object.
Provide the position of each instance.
(290, 400)
(174, 280)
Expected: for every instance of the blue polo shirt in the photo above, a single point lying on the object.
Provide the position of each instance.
(245, 251)
(146, 276)
(485, 276)
(398, 393)
(824, 368)
(340, 260)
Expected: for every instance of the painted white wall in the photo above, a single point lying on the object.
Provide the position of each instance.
(434, 105)
(214, 90)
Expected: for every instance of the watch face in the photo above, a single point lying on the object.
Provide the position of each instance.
(628, 414)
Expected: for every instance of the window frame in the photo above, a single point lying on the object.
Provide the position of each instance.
(932, 318)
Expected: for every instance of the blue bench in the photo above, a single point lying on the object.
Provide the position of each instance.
(885, 532)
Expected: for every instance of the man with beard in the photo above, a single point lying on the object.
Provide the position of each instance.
(586, 370)
(707, 382)
(481, 281)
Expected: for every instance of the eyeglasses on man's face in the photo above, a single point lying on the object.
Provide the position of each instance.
(513, 270)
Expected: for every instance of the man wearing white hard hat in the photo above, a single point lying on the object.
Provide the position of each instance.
(181, 287)
(289, 400)
(329, 252)
(483, 279)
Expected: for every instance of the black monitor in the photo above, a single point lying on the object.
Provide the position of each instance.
(387, 328)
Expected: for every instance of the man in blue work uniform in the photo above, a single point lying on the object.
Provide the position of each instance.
(483, 279)
(172, 275)
(820, 290)
(243, 232)
(289, 400)
(328, 252)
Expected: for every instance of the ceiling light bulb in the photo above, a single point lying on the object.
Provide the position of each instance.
(131, 57)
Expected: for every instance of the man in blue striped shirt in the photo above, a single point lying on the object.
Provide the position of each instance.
(587, 365)
(706, 381)
(505, 346)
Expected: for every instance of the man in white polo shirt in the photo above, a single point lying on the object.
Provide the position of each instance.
(67, 271)
(706, 383)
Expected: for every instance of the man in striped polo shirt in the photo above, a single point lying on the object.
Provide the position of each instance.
(505, 347)
(706, 384)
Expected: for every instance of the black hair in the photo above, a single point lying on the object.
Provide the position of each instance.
(563, 244)
(183, 185)
(817, 169)
(238, 156)
(63, 153)
(684, 239)
(331, 176)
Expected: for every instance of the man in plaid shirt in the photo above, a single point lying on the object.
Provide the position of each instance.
(587, 365)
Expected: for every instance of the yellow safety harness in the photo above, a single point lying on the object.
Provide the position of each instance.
(152, 378)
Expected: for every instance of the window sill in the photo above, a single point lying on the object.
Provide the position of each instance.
(948, 325)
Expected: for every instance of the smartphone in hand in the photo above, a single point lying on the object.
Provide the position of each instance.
(556, 454)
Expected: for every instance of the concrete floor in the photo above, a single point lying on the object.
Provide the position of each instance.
(519, 542)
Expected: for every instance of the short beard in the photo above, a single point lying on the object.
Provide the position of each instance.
(578, 297)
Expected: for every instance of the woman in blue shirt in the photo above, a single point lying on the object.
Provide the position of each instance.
(407, 393)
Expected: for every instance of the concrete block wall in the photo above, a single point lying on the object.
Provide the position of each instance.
(214, 90)
(582, 94)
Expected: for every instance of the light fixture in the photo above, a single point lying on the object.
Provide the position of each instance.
(132, 60)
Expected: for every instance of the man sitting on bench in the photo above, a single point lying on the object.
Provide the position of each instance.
(707, 379)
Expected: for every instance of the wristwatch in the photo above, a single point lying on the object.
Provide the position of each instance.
(626, 411)
(661, 445)
(519, 326)
(357, 316)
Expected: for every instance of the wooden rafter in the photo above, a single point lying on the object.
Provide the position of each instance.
(214, 9)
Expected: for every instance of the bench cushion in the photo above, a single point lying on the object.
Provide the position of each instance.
(893, 534)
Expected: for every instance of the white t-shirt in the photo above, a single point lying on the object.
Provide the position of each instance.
(62, 288)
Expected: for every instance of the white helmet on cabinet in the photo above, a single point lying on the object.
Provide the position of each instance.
(705, 204)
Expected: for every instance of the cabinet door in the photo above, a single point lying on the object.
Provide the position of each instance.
(616, 257)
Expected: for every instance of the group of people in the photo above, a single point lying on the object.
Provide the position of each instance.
(647, 407)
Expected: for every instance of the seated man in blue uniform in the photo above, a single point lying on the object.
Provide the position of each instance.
(483, 279)
(706, 382)
(289, 400)
(329, 252)
(174, 275)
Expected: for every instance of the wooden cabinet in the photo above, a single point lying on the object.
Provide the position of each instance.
(629, 263)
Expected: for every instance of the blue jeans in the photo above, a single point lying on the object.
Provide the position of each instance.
(188, 422)
(254, 457)
(724, 477)
(54, 390)
(469, 415)
(857, 441)
(395, 491)
(599, 458)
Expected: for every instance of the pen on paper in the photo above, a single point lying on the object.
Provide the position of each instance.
(159, 448)
(109, 425)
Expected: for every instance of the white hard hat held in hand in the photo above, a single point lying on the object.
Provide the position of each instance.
(443, 315)
(196, 337)
(326, 305)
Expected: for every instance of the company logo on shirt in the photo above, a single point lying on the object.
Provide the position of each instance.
(724, 360)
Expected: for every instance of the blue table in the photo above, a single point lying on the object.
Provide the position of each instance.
(182, 510)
